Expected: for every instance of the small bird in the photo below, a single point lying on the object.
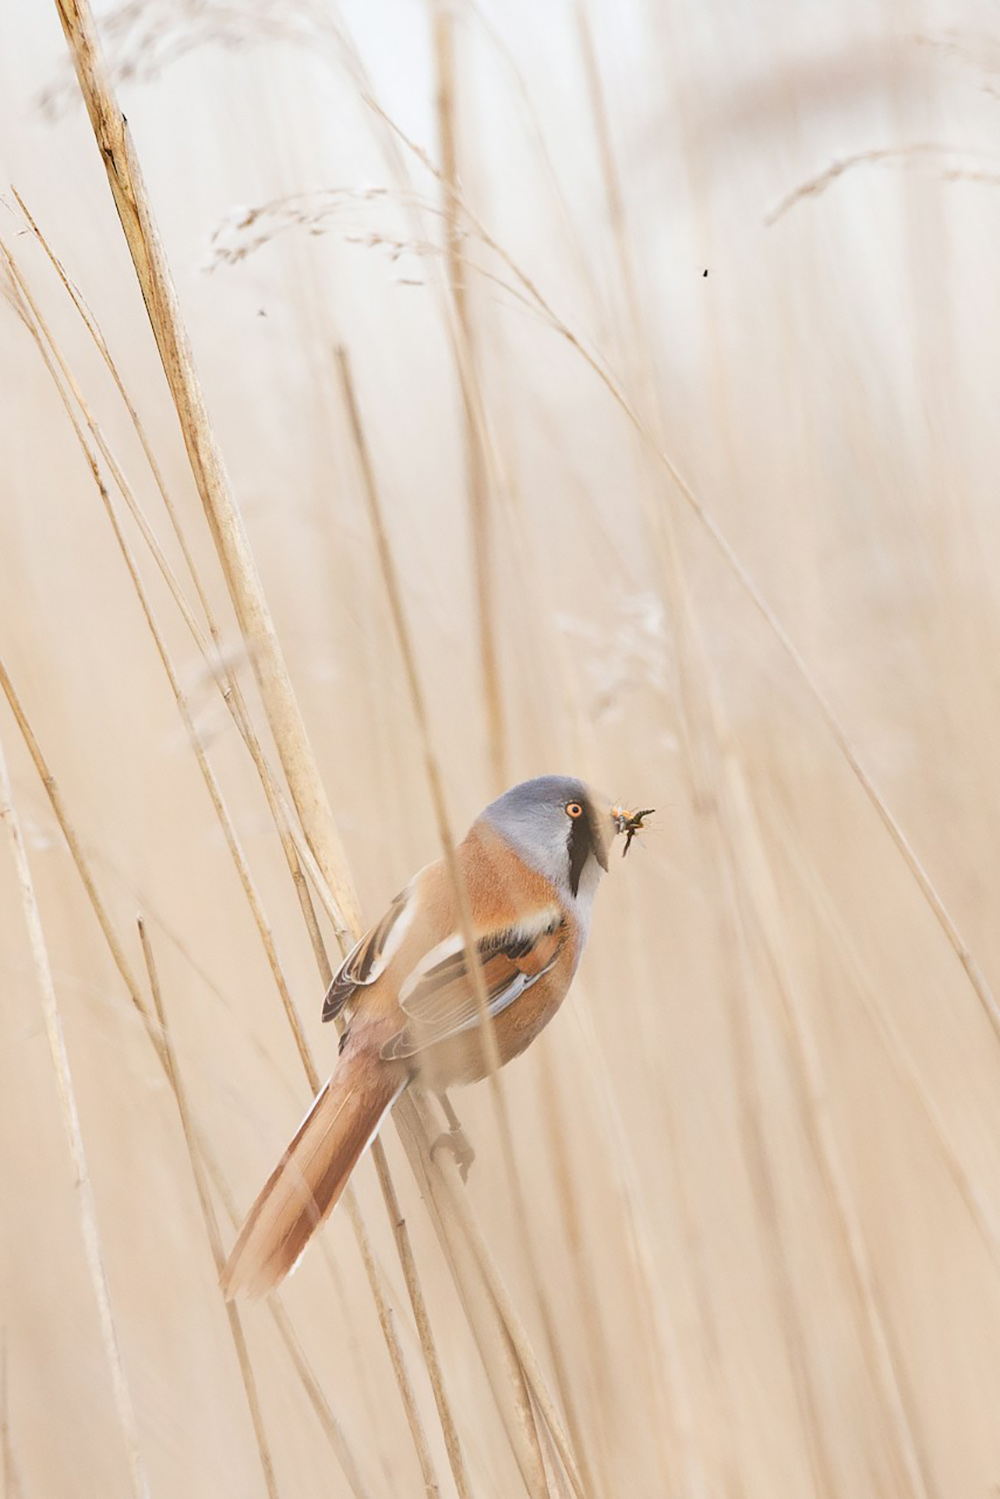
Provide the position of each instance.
(531, 863)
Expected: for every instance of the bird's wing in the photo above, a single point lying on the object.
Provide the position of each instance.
(439, 997)
(369, 958)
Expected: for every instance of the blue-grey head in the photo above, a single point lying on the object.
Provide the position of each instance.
(561, 827)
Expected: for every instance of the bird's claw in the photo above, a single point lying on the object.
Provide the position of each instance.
(456, 1141)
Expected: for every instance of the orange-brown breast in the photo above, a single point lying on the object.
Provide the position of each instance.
(503, 891)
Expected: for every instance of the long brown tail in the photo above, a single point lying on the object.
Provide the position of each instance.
(308, 1180)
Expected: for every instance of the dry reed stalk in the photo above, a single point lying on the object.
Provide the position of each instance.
(479, 466)
(314, 1393)
(659, 527)
(893, 1043)
(450, 1435)
(680, 1462)
(381, 1297)
(67, 828)
(742, 1001)
(249, 889)
(46, 343)
(83, 1189)
(316, 1399)
(226, 679)
(475, 430)
(302, 850)
(391, 582)
(702, 732)
(503, 1369)
(208, 1217)
(425, 1333)
(377, 1287)
(575, 1421)
(228, 682)
(875, 1333)
(560, 1366)
(331, 1426)
(332, 1429)
(638, 1258)
(554, 188)
(433, 773)
(444, 1166)
(586, 1293)
(878, 1350)
(9, 1475)
(6, 1465)
(265, 932)
(100, 343)
(720, 1439)
(225, 523)
(480, 456)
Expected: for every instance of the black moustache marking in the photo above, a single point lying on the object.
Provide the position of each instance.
(581, 845)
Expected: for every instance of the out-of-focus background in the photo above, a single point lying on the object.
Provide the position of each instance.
(760, 1145)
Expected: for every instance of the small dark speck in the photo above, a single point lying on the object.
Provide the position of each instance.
(262, 313)
(704, 273)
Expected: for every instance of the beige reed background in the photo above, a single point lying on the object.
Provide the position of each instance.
(725, 543)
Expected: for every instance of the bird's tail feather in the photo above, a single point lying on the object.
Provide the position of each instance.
(307, 1182)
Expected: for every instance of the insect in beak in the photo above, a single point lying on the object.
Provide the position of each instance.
(629, 823)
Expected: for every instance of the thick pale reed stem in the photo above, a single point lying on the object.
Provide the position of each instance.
(224, 519)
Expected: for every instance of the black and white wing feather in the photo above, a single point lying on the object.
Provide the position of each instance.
(370, 957)
(439, 997)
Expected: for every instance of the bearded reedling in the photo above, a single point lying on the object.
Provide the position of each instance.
(531, 863)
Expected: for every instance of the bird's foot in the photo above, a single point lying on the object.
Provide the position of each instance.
(456, 1141)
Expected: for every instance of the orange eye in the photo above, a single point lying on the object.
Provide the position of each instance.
(573, 809)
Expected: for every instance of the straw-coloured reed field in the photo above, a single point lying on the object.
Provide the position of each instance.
(460, 394)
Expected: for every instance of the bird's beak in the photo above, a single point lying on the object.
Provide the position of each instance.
(602, 834)
(599, 842)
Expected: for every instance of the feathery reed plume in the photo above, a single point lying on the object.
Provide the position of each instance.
(920, 153)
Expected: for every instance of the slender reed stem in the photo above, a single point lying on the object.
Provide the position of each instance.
(209, 1218)
(225, 522)
(83, 1190)
(474, 426)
